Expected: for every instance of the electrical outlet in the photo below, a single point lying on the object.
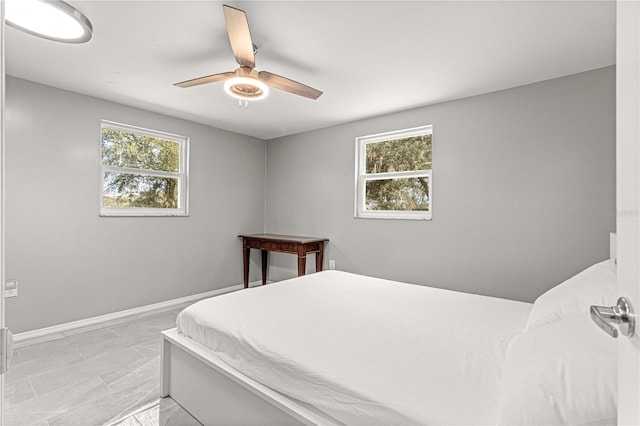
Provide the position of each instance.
(332, 264)
(11, 288)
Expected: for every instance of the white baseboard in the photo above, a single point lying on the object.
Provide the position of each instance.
(57, 331)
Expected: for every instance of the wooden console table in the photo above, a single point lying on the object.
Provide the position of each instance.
(283, 244)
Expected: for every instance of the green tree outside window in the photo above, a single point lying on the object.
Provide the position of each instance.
(140, 171)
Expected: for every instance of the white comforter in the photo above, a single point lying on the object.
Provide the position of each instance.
(364, 350)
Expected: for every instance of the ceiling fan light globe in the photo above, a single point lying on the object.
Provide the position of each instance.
(246, 88)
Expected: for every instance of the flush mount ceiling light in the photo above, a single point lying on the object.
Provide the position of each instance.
(51, 19)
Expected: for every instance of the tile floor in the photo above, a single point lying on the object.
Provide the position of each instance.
(163, 411)
(96, 376)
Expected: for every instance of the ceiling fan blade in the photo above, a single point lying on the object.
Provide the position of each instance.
(239, 36)
(288, 85)
(204, 80)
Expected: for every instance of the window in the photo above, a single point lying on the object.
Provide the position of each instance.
(393, 175)
(143, 173)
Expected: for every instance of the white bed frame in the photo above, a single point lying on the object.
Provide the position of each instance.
(216, 394)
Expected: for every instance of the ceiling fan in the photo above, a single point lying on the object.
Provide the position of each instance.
(245, 83)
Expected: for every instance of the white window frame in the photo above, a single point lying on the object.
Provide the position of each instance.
(182, 175)
(360, 210)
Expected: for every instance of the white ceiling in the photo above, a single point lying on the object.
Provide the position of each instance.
(369, 57)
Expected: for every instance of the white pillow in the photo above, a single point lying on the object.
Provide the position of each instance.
(596, 285)
(564, 373)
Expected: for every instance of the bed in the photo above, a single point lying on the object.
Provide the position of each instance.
(341, 348)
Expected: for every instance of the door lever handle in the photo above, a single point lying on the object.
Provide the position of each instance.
(621, 315)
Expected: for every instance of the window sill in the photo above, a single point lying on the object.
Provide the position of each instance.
(124, 212)
(394, 215)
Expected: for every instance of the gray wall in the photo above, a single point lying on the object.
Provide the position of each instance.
(73, 264)
(524, 187)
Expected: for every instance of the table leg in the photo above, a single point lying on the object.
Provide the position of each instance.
(245, 264)
(320, 257)
(302, 265)
(265, 262)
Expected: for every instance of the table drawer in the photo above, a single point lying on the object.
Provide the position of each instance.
(287, 247)
(272, 246)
